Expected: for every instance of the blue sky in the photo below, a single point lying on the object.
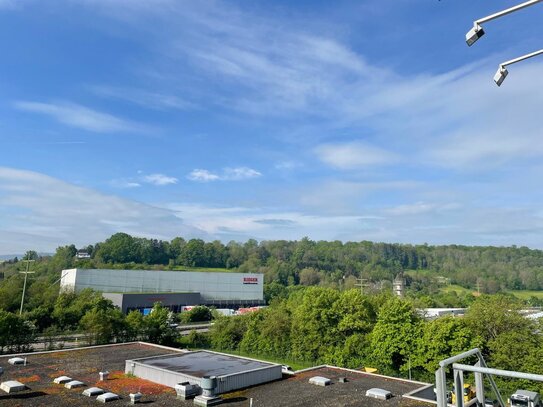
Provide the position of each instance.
(349, 120)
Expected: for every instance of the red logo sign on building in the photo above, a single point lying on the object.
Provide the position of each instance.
(250, 280)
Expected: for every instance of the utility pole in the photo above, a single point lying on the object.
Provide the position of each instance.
(362, 283)
(26, 273)
(478, 286)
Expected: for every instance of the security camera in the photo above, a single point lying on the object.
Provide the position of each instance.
(500, 76)
(474, 34)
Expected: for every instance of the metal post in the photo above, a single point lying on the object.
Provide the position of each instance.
(492, 382)
(459, 387)
(479, 385)
(441, 391)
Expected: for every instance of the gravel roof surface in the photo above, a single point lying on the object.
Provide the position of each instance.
(85, 363)
(81, 364)
(297, 391)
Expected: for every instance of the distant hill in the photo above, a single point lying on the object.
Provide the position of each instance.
(20, 256)
(10, 256)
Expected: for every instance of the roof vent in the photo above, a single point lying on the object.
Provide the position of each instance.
(12, 386)
(135, 397)
(93, 391)
(17, 361)
(379, 394)
(320, 381)
(185, 390)
(74, 384)
(208, 385)
(208, 398)
(343, 380)
(107, 397)
(62, 379)
(103, 376)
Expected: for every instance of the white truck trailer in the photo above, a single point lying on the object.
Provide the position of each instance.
(525, 398)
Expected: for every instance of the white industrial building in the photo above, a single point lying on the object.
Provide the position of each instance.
(214, 288)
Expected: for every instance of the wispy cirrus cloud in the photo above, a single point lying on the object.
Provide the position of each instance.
(144, 98)
(79, 116)
(227, 174)
(159, 179)
(317, 75)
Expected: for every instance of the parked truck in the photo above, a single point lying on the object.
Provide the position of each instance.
(525, 398)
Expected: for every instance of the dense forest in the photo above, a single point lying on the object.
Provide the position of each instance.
(290, 263)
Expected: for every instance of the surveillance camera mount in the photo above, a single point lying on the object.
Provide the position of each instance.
(502, 70)
(477, 32)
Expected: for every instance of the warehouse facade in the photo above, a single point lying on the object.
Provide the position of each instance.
(138, 289)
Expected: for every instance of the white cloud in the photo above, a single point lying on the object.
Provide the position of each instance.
(453, 119)
(38, 211)
(227, 174)
(79, 116)
(239, 173)
(353, 155)
(151, 100)
(159, 179)
(124, 183)
(202, 175)
(265, 223)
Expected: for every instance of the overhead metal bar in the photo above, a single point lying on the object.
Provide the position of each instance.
(498, 372)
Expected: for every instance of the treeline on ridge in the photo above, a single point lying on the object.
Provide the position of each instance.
(310, 262)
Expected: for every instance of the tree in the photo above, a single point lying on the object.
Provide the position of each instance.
(395, 334)
(134, 325)
(227, 332)
(70, 307)
(197, 314)
(194, 340)
(102, 325)
(193, 253)
(158, 326)
(15, 334)
(314, 323)
(491, 315)
(119, 248)
(31, 255)
(356, 313)
(309, 276)
(441, 339)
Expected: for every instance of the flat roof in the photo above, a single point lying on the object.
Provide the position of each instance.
(297, 391)
(85, 363)
(202, 363)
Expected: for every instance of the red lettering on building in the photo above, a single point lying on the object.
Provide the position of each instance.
(250, 280)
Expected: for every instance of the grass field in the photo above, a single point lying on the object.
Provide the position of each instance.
(522, 294)
(525, 294)
(457, 288)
